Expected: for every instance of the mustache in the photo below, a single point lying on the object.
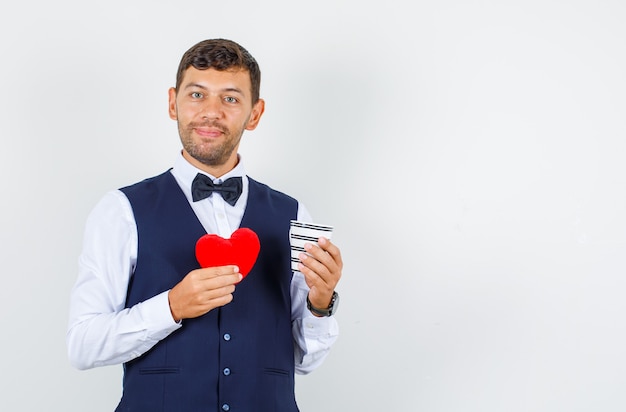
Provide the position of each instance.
(215, 125)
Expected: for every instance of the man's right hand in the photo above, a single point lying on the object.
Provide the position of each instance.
(203, 290)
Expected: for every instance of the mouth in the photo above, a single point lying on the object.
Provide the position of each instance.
(209, 132)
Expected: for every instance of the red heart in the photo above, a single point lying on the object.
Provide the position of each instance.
(241, 249)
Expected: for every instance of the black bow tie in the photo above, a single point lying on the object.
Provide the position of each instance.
(202, 187)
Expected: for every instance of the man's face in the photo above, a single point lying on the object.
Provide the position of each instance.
(213, 108)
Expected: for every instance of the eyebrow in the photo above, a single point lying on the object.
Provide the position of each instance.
(227, 89)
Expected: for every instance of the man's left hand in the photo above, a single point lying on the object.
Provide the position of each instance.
(321, 267)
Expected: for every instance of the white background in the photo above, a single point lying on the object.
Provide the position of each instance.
(470, 155)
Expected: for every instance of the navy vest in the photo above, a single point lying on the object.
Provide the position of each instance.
(238, 358)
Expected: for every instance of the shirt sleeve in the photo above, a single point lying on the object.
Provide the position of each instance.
(101, 331)
(313, 336)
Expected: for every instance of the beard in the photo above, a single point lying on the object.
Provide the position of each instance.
(209, 152)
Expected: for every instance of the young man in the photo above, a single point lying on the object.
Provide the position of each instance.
(191, 338)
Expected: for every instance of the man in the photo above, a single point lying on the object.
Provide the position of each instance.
(191, 338)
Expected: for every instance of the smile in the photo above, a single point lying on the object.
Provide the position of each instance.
(208, 132)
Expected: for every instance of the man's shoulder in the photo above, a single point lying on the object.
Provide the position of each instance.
(147, 183)
(262, 187)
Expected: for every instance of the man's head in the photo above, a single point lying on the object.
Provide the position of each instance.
(215, 100)
(221, 54)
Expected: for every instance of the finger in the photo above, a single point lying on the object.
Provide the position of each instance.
(217, 294)
(217, 271)
(313, 270)
(220, 301)
(322, 256)
(202, 283)
(328, 246)
(197, 305)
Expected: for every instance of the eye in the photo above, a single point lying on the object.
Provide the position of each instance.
(196, 95)
(230, 99)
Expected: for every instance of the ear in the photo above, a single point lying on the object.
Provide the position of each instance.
(255, 116)
(172, 103)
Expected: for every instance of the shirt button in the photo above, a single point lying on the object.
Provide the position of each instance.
(226, 407)
(221, 215)
(226, 371)
(227, 337)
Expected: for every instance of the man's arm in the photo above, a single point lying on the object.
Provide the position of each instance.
(101, 331)
(313, 336)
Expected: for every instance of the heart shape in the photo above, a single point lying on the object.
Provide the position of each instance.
(241, 249)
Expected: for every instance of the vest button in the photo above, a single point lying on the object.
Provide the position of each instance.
(226, 337)
(226, 407)
(226, 371)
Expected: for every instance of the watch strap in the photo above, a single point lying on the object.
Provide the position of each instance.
(323, 312)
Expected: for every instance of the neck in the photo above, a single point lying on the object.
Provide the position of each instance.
(213, 170)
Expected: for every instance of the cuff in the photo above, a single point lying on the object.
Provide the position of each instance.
(158, 318)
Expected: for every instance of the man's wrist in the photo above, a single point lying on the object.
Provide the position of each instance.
(175, 318)
(329, 310)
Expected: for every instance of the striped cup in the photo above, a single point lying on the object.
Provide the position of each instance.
(305, 232)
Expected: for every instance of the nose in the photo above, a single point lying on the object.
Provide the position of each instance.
(212, 108)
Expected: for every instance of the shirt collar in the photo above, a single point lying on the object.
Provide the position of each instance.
(185, 172)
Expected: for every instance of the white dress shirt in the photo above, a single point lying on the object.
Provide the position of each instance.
(101, 331)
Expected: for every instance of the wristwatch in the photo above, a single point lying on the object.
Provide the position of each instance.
(329, 311)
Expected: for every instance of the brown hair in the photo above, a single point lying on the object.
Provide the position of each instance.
(221, 54)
